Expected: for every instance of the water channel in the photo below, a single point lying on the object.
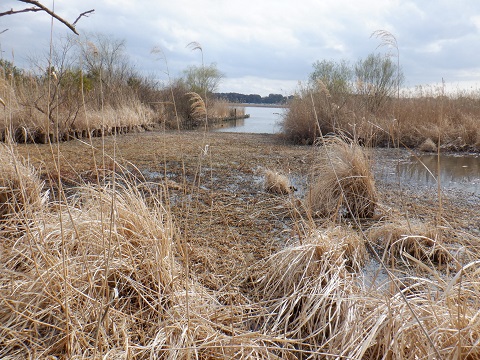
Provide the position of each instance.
(454, 171)
(262, 120)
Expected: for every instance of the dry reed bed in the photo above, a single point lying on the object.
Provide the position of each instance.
(450, 121)
(32, 127)
(61, 274)
(26, 117)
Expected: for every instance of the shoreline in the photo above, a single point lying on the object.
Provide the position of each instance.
(258, 105)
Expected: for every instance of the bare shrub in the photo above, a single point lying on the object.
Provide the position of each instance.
(342, 181)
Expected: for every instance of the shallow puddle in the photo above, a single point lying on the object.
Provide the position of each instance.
(456, 171)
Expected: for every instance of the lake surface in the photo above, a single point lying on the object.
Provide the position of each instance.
(262, 120)
(457, 171)
(453, 171)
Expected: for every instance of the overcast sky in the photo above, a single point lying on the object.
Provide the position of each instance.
(267, 46)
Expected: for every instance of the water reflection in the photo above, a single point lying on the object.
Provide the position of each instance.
(456, 171)
(228, 124)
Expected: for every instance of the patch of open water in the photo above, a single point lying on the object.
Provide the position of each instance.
(459, 171)
(262, 120)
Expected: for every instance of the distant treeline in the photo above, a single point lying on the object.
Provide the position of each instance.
(277, 99)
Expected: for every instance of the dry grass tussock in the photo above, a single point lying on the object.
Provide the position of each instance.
(276, 183)
(428, 146)
(415, 242)
(98, 278)
(312, 257)
(98, 275)
(430, 320)
(318, 300)
(90, 274)
(103, 274)
(342, 181)
(20, 187)
(308, 286)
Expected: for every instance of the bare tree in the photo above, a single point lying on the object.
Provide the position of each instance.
(37, 6)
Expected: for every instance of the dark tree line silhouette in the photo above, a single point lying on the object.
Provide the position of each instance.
(272, 99)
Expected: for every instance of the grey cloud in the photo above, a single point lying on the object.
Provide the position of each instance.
(436, 38)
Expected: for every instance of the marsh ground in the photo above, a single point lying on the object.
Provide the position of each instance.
(213, 185)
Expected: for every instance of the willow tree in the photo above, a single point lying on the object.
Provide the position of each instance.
(203, 79)
(378, 79)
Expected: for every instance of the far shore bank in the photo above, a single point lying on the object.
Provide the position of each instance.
(258, 105)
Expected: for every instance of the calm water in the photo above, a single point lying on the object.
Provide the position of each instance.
(264, 120)
(456, 171)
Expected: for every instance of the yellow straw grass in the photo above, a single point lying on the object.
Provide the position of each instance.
(342, 181)
(20, 186)
(421, 241)
(308, 285)
(276, 183)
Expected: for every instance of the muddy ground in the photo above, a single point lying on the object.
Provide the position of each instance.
(216, 195)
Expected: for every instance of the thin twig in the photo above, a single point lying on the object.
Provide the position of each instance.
(37, 6)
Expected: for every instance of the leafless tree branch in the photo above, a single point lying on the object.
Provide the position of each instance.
(37, 6)
(85, 13)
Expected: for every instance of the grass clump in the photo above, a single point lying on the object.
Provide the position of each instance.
(276, 183)
(342, 181)
(91, 275)
(428, 146)
(20, 186)
(308, 287)
(420, 241)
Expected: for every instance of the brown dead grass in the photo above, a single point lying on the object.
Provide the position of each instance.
(342, 181)
(405, 240)
(20, 186)
(276, 183)
(208, 265)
